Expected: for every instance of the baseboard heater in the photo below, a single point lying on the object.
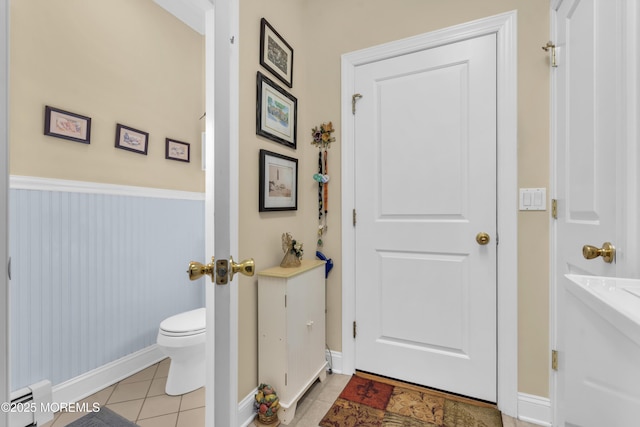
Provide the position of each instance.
(31, 406)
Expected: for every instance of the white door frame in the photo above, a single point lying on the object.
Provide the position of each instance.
(4, 208)
(505, 28)
(221, 69)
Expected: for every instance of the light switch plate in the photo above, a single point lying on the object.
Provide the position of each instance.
(533, 199)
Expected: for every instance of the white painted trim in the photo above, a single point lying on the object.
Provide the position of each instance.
(4, 209)
(97, 379)
(334, 360)
(50, 184)
(246, 410)
(534, 409)
(505, 28)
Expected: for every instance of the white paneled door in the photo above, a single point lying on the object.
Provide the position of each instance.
(589, 113)
(425, 190)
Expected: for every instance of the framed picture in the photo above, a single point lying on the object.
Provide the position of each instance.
(275, 53)
(276, 113)
(176, 150)
(131, 139)
(278, 182)
(66, 125)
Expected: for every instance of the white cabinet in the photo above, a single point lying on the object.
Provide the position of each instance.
(291, 331)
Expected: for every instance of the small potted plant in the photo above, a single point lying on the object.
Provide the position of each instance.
(267, 404)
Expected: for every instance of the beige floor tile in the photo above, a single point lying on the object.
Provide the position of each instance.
(330, 391)
(145, 374)
(128, 410)
(159, 405)
(191, 418)
(314, 414)
(163, 368)
(129, 391)
(66, 418)
(193, 400)
(100, 397)
(507, 421)
(168, 420)
(158, 386)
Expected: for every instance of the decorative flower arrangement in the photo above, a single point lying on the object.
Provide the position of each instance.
(322, 135)
(267, 404)
(292, 251)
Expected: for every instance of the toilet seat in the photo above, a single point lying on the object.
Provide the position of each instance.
(184, 324)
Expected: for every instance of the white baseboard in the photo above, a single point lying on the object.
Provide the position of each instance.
(334, 358)
(93, 381)
(246, 411)
(534, 409)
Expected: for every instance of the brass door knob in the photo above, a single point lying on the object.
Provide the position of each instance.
(246, 267)
(482, 238)
(197, 270)
(607, 252)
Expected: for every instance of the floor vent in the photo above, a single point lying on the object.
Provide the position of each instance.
(31, 406)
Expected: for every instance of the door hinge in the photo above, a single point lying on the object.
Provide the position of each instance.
(554, 360)
(354, 99)
(354, 329)
(9, 268)
(354, 217)
(554, 208)
(552, 48)
(285, 301)
(285, 378)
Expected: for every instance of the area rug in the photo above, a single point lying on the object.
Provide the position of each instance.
(103, 418)
(369, 402)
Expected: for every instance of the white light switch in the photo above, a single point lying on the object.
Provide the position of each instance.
(533, 199)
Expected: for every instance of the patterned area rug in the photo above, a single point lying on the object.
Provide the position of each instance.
(367, 402)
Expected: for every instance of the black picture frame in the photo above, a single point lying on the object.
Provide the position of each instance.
(67, 125)
(276, 55)
(278, 186)
(177, 150)
(130, 139)
(276, 112)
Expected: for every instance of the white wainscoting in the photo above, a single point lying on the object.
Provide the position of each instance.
(95, 269)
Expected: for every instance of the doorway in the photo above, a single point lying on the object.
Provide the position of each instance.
(503, 26)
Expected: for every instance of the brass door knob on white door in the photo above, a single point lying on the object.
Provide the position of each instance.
(482, 238)
(607, 252)
(220, 272)
(197, 270)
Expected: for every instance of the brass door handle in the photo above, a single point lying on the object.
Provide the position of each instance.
(197, 270)
(246, 267)
(482, 238)
(607, 252)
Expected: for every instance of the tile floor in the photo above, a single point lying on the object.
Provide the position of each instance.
(141, 399)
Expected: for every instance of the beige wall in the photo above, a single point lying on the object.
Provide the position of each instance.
(117, 61)
(320, 32)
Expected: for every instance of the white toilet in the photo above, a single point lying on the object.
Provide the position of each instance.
(183, 337)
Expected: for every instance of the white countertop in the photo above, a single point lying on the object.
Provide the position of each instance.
(616, 300)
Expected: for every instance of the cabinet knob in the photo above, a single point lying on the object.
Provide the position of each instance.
(310, 323)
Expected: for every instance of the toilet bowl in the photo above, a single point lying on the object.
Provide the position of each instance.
(182, 338)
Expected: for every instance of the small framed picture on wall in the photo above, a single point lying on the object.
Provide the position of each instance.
(128, 138)
(177, 150)
(67, 125)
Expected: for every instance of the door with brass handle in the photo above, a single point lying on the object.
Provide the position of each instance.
(219, 271)
(483, 238)
(607, 252)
